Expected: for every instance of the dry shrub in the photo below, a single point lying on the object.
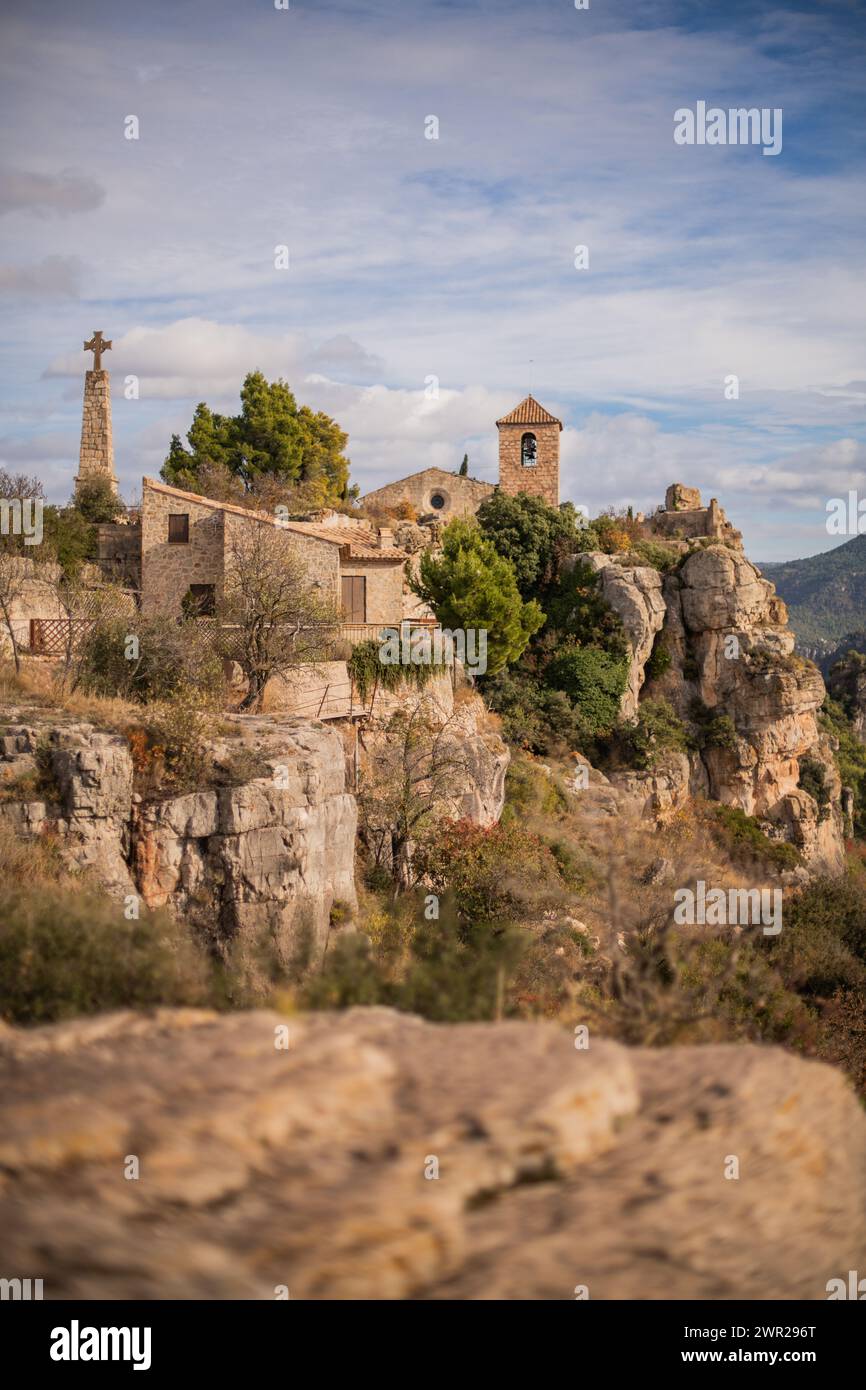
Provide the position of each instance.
(66, 948)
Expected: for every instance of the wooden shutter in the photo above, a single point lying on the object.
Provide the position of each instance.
(354, 588)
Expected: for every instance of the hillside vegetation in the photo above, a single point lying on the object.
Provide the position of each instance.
(825, 594)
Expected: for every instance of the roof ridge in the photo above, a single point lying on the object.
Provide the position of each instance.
(300, 528)
(529, 412)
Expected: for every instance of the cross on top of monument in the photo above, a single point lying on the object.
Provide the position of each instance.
(97, 345)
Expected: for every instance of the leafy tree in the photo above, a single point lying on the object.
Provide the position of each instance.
(533, 536)
(271, 616)
(576, 608)
(464, 467)
(469, 585)
(594, 681)
(97, 501)
(271, 437)
(70, 538)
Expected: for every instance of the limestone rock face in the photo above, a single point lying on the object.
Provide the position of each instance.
(666, 787)
(263, 854)
(91, 773)
(635, 593)
(468, 739)
(379, 1157)
(485, 757)
(272, 847)
(733, 652)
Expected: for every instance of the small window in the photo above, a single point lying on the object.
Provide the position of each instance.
(200, 601)
(437, 501)
(178, 528)
(528, 451)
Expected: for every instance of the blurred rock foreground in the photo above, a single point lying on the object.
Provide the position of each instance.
(262, 1166)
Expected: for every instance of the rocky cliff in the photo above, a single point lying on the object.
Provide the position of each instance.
(267, 850)
(372, 1155)
(732, 654)
(267, 844)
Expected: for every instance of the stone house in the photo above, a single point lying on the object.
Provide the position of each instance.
(186, 539)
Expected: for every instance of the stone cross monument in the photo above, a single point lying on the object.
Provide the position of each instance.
(96, 458)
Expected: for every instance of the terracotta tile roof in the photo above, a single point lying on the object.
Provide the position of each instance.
(356, 542)
(529, 412)
(359, 541)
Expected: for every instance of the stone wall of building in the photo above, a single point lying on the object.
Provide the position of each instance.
(167, 567)
(461, 496)
(542, 480)
(96, 455)
(119, 552)
(321, 559)
(36, 597)
(384, 588)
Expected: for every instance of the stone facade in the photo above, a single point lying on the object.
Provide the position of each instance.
(434, 492)
(119, 552)
(167, 568)
(35, 597)
(96, 456)
(329, 552)
(530, 433)
(383, 588)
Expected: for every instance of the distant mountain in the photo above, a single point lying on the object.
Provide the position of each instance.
(853, 642)
(825, 594)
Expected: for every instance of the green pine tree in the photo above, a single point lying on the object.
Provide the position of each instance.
(272, 438)
(469, 586)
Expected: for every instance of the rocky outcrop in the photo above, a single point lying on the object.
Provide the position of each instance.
(465, 737)
(665, 787)
(634, 592)
(269, 847)
(732, 651)
(262, 856)
(731, 658)
(87, 801)
(371, 1155)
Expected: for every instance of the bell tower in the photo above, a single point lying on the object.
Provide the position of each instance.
(529, 452)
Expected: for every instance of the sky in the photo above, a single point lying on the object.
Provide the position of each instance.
(431, 283)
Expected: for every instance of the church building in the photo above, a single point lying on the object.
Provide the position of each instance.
(528, 462)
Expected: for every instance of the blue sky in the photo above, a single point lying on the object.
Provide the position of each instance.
(453, 258)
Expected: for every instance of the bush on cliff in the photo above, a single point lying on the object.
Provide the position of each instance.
(493, 873)
(850, 758)
(593, 680)
(144, 659)
(656, 730)
(67, 949)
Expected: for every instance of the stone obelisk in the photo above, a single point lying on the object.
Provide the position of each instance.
(96, 458)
